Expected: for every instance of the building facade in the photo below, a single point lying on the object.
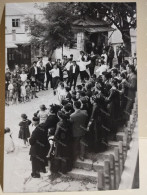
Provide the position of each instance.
(18, 35)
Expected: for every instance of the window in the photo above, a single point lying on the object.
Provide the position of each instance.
(15, 22)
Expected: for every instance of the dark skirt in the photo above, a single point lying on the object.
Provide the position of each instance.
(24, 134)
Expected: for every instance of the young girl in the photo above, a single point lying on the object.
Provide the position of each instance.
(9, 144)
(10, 91)
(24, 132)
(23, 92)
(61, 92)
(28, 91)
(15, 93)
(55, 72)
(42, 114)
(33, 87)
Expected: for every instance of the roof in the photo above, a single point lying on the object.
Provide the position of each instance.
(89, 22)
(99, 29)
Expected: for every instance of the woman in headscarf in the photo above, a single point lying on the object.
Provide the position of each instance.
(63, 141)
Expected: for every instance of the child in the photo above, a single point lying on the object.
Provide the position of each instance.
(23, 76)
(10, 89)
(9, 144)
(15, 93)
(28, 91)
(23, 92)
(24, 132)
(42, 114)
(33, 87)
(61, 92)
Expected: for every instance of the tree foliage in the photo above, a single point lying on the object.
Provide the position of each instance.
(56, 30)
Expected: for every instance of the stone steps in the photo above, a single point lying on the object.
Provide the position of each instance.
(106, 167)
(80, 174)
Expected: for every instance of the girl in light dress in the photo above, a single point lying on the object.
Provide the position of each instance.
(61, 92)
(23, 92)
(10, 91)
(9, 144)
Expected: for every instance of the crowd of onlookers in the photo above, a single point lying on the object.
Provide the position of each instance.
(89, 114)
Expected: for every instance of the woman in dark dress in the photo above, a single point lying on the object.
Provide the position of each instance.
(52, 120)
(113, 102)
(63, 140)
(95, 130)
(39, 148)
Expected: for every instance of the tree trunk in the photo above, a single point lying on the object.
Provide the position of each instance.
(50, 53)
(127, 42)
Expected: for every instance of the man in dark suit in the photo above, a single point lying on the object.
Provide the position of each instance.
(34, 72)
(79, 121)
(120, 55)
(39, 148)
(73, 73)
(48, 75)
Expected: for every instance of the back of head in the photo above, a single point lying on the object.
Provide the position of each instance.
(77, 104)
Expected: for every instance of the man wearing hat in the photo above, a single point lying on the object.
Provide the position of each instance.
(39, 148)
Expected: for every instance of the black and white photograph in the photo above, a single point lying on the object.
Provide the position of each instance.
(71, 106)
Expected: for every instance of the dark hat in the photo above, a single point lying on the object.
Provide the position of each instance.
(43, 107)
(24, 116)
(68, 107)
(35, 119)
(64, 102)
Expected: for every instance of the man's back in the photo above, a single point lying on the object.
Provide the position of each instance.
(79, 122)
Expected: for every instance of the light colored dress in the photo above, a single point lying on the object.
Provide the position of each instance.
(9, 144)
(23, 91)
(43, 116)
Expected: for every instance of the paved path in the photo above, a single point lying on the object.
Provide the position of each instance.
(17, 165)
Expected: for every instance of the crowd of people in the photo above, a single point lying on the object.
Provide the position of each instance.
(89, 114)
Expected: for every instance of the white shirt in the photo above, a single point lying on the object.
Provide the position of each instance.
(35, 70)
(105, 57)
(38, 63)
(23, 77)
(55, 72)
(74, 69)
(101, 69)
(82, 65)
(68, 66)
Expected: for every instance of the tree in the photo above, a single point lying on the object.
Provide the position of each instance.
(122, 15)
(56, 30)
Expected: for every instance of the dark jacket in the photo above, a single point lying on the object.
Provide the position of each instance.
(77, 70)
(32, 71)
(48, 68)
(79, 121)
(39, 142)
